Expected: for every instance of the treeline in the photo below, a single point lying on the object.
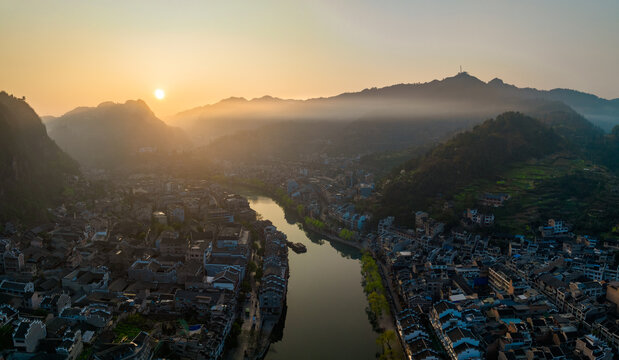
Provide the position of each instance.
(373, 286)
(314, 223)
(346, 234)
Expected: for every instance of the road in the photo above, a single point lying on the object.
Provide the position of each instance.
(247, 338)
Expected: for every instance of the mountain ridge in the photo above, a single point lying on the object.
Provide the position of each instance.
(113, 134)
(463, 93)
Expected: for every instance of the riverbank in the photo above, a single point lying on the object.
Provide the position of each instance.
(290, 210)
(326, 315)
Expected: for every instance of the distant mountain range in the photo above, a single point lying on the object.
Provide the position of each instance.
(113, 135)
(374, 120)
(459, 97)
(33, 169)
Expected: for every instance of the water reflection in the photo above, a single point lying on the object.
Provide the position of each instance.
(326, 316)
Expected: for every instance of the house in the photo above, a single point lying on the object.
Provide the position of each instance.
(592, 348)
(87, 279)
(171, 244)
(22, 293)
(56, 303)
(152, 270)
(7, 314)
(28, 334)
(229, 279)
(501, 279)
(478, 218)
(71, 345)
(555, 228)
(97, 315)
(13, 261)
(461, 344)
(232, 236)
(494, 200)
(273, 289)
(16, 288)
(612, 294)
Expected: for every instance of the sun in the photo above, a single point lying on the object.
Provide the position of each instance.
(159, 94)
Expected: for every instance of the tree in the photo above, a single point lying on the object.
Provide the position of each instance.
(383, 339)
(252, 267)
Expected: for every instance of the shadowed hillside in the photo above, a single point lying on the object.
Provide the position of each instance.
(33, 169)
(482, 153)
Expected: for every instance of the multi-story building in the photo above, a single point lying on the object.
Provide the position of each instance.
(13, 261)
(28, 334)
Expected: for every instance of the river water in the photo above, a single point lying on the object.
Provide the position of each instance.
(326, 316)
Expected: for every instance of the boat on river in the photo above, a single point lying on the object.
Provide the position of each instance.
(299, 248)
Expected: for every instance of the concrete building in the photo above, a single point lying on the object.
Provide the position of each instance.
(28, 334)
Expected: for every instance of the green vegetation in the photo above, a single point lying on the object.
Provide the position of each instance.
(251, 267)
(86, 353)
(561, 166)
(373, 286)
(282, 197)
(130, 327)
(346, 234)
(383, 162)
(482, 153)
(314, 223)
(384, 340)
(245, 287)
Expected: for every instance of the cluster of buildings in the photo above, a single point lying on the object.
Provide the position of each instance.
(275, 272)
(161, 249)
(327, 189)
(504, 297)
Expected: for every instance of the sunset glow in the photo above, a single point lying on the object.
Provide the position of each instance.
(159, 94)
(210, 51)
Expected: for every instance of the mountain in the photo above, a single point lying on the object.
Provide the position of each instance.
(33, 169)
(560, 166)
(484, 153)
(458, 97)
(113, 135)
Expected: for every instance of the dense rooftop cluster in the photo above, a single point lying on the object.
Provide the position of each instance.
(154, 266)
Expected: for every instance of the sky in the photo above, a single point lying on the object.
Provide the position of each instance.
(68, 53)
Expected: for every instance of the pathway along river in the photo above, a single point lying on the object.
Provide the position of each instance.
(326, 316)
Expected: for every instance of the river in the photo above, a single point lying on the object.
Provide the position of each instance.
(326, 316)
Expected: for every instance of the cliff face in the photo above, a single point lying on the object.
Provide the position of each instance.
(33, 168)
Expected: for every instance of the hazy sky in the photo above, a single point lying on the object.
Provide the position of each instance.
(63, 54)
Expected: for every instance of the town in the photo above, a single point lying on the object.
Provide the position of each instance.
(158, 267)
(154, 268)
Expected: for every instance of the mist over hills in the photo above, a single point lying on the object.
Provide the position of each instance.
(113, 135)
(33, 169)
(375, 120)
(389, 129)
(459, 97)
